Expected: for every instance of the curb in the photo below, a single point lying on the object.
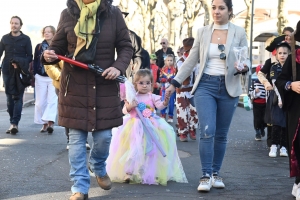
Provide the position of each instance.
(25, 104)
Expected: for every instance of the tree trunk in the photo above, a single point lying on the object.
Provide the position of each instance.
(191, 11)
(282, 15)
(248, 18)
(207, 16)
(173, 12)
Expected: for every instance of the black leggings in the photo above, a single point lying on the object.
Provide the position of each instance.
(279, 136)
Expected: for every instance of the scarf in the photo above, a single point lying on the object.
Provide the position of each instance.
(44, 46)
(86, 24)
(298, 56)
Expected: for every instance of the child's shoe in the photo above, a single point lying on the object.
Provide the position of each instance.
(170, 120)
(273, 151)
(283, 152)
(183, 138)
(192, 135)
(127, 178)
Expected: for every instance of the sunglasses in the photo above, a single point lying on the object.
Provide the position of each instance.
(178, 52)
(221, 47)
(162, 43)
(144, 83)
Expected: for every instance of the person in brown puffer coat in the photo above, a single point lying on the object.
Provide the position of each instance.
(89, 102)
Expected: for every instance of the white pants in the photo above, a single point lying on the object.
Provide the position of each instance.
(45, 100)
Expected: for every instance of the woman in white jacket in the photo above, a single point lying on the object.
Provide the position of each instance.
(217, 87)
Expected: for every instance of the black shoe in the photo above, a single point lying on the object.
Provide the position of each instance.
(50, 129)
(14, 130)
(258, 135)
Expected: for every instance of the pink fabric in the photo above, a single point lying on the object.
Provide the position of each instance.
(122, 91)
(150, 99)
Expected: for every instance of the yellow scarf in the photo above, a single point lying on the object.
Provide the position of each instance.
(86, 23)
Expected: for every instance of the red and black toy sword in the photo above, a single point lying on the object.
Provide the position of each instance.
(91, 67)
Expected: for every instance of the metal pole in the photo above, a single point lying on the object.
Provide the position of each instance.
(251, 41)
(251, 32)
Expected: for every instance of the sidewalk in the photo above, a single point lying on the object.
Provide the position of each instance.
(34, 166)
(28, 99)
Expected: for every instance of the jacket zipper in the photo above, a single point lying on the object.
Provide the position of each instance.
(118, 86)
(68, 79)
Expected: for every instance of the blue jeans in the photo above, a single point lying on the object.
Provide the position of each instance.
(171, 104)
(215, 110)
(14, 106)
(77, 157)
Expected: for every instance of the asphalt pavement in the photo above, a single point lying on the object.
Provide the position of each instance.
(34, 166)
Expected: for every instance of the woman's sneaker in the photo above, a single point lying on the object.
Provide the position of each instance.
(217, 181)
(205, 183)
(273, 151)
(283, 152)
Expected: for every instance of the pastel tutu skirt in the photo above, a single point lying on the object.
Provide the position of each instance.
(134, 154)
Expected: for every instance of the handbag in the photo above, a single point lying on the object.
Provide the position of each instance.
(26, 78)
(85, 55)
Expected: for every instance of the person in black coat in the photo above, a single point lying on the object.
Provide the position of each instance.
(15, 45)
(162, 53)
(288, 84)
(145, 59)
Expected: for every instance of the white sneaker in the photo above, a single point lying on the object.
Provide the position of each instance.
(217, 182)
(205, 183)
(283, 152)
(298, 191)
(294, 190)
(170, 120)
(273, 151)
(67, 147)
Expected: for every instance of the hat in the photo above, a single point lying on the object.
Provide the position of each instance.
(153, 57)
(125, 13)
(188, 43)
(275, 42)
(283, 44)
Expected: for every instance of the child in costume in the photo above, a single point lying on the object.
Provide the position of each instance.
(187, 119)
(257, 93)
(155, 73)
(167, 73)
(134, 157)
(274, 103)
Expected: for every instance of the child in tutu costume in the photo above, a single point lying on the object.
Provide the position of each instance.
(133, 156)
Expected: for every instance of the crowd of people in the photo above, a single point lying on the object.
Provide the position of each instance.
(130, 140)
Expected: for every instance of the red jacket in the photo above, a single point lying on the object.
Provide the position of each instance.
(155, 71)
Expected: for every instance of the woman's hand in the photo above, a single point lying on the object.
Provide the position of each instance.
(49, 56)
(169, 91)
(111, 73)
(295, 86)
(14, 65)
(238, 67)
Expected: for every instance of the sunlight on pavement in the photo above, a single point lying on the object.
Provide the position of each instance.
(8, 141)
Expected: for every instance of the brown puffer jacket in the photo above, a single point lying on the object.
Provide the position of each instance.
(88, 101)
